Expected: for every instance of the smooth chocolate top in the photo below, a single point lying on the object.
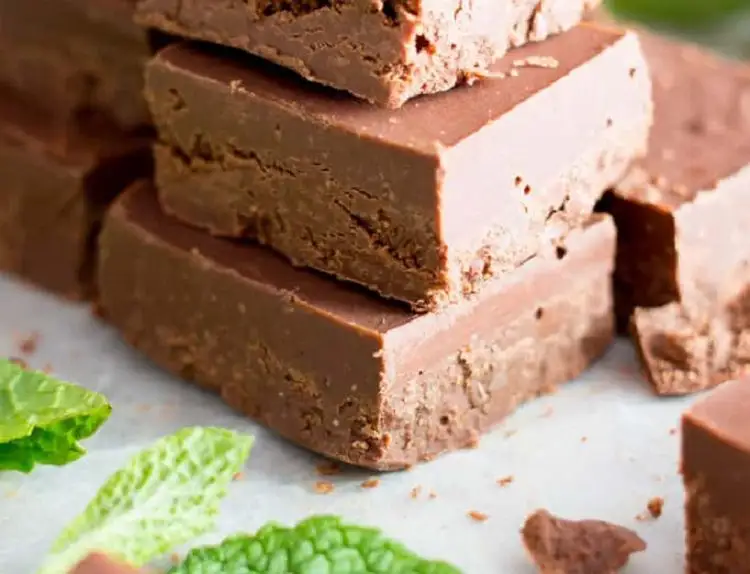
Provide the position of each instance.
(701, 131)
(724, 413)
(423, 123)
(357, 308)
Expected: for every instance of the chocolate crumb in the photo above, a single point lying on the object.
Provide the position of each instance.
(506, 480)
(584, 439)
(478, 516)
(672, 431)
(519, 180)
(415, 492)
(631, 72)
(432, 495)
(559, 546)
(27, 345)
(324, 487)
(655, 506)
(19, 361)
(328, 468)
(371, 483)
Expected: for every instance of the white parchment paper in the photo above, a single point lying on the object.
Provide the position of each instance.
(600, 448)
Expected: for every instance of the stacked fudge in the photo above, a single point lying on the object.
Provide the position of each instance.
(379, 281)
(73, 132)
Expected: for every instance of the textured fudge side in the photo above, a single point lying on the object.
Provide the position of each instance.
(334, 368)
(385, 52)
(716, 473)
(682, 222)
(75, 58)
(424, 204)
(51, 206)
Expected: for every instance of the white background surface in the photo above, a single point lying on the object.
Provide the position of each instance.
(628, 456)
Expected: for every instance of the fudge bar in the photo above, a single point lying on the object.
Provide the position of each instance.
(423, 204)
(51, 205)
(383, 51)
(335, 368)
(682, 256)
(74, 58)
(716, 474)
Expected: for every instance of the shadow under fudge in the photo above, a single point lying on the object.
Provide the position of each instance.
(682, 274)
(716, 475)
(52, 203)
(385, 52)
(425, 204)
(334, 368)
(78, 61)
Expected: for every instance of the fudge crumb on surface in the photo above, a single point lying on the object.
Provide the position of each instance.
(506, 480)
(559, 546)
(371, 483)
(432, 495)
(415, 492)
(654, 509)
(324, 487)
(328, 468)
(28, 344)
(655, 506)
(478, 516)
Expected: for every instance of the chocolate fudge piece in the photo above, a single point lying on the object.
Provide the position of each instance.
(383, 51)
(335, 368)
(682, 225)
(51, 205)
(424, 204)
(100, 564)
(74, 58)
(716, 473)
(559, 546)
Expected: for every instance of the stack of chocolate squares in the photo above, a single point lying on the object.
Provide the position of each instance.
(74, 131)
(379, 281)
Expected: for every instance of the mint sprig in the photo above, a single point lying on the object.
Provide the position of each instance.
(42, 419)
(318, 545)
(165, 496)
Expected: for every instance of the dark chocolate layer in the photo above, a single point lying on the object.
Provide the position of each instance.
(334, 368)
(385, 52)
(424, 204)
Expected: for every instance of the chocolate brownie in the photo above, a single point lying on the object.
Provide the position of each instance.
(682, 224)
(383, 51)
(422, 205)
(51, 205)
(716, 473)
(339, 370)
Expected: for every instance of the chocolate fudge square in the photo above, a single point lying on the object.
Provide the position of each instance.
(51, 205)
(682, 258)
(339, 370)
(383, 51)
(716, 473)
(424, 204)
(76, 58)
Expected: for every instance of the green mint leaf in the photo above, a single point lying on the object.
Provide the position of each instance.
(42, 419)
(318, 545)
(163, 497)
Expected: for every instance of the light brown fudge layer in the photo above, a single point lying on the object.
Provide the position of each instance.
(74, 59)
(423, 205)
(338, 370)
(682, 221)
(383, 51)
